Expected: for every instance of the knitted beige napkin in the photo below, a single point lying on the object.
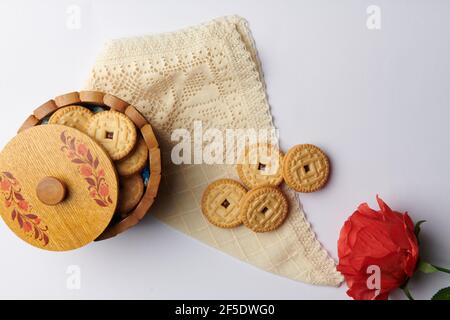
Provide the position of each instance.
(209, 73)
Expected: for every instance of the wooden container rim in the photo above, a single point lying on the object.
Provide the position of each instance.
(114, 103)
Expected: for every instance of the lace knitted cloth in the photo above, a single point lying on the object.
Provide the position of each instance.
(209, 73)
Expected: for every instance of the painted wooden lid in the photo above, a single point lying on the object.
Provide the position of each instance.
(58, 188)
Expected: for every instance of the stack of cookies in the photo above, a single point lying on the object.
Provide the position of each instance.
(125, 145)
(259, 204)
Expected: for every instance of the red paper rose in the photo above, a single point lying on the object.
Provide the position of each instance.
(377, 242)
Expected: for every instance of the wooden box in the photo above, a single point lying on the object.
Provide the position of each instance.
(59, 188)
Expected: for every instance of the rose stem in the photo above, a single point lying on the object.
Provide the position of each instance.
(407, 292)
(442, 269)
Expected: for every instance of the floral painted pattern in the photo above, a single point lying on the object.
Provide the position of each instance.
(22, 212)
(88, 166)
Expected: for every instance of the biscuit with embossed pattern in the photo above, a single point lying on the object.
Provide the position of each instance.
(135, 161)
(73, 116)
(264, 209)
(114, 131)
(306, 168)
(221, 201)
(261, 164)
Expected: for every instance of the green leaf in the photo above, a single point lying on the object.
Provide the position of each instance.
(426, 267)
(443, 294)
(417, 227)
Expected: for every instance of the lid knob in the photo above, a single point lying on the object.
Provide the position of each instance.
(51, 191)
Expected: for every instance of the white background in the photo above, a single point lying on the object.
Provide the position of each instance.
(376, 101)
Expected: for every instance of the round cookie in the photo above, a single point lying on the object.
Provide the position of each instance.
(135, 161)
(306, 168)
(264, 209)
(131, 190)
(261, 164)
(220, 203)
(77, 117)
(114, 131)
